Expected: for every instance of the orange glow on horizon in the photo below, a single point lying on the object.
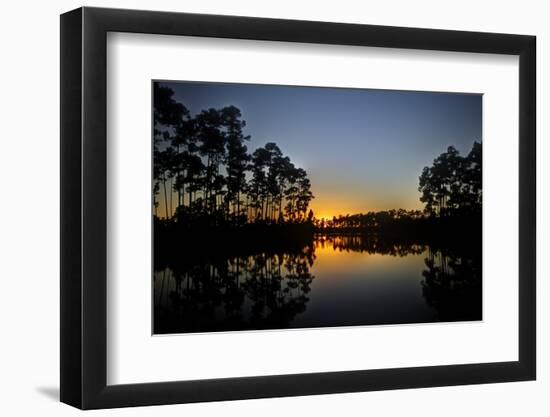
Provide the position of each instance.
(333, 201)
(328, 211)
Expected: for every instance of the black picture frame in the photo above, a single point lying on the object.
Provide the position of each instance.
(84, 207)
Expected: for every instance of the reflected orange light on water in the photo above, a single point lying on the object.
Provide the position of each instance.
(331, 256)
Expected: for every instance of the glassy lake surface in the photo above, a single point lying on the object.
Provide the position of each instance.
(334, 281)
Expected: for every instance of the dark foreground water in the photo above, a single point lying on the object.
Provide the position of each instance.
(334, 281)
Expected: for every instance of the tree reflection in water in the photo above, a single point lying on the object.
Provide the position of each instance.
(371, 244)
(262, 291)
(452, 285)
(268, 290)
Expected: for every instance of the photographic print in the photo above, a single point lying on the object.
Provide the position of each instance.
(288, 207)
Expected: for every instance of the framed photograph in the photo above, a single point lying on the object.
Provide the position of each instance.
(257, 208)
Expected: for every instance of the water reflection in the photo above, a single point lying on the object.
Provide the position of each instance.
(333, 281)
(452, 285)
(370, 244)
(263, 291)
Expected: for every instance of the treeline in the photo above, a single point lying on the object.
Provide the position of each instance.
(371, 220)
(206, 177)
(450, 190)
(204, 174)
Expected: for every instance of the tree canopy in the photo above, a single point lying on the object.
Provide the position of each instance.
(453, 183)
(204, 170)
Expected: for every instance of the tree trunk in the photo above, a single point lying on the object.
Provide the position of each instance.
(165, 198)
(238, 203)
(171, 193)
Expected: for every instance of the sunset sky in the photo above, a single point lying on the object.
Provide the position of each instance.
(362, 149)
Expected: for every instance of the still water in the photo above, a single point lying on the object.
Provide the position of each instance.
(334, 281)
